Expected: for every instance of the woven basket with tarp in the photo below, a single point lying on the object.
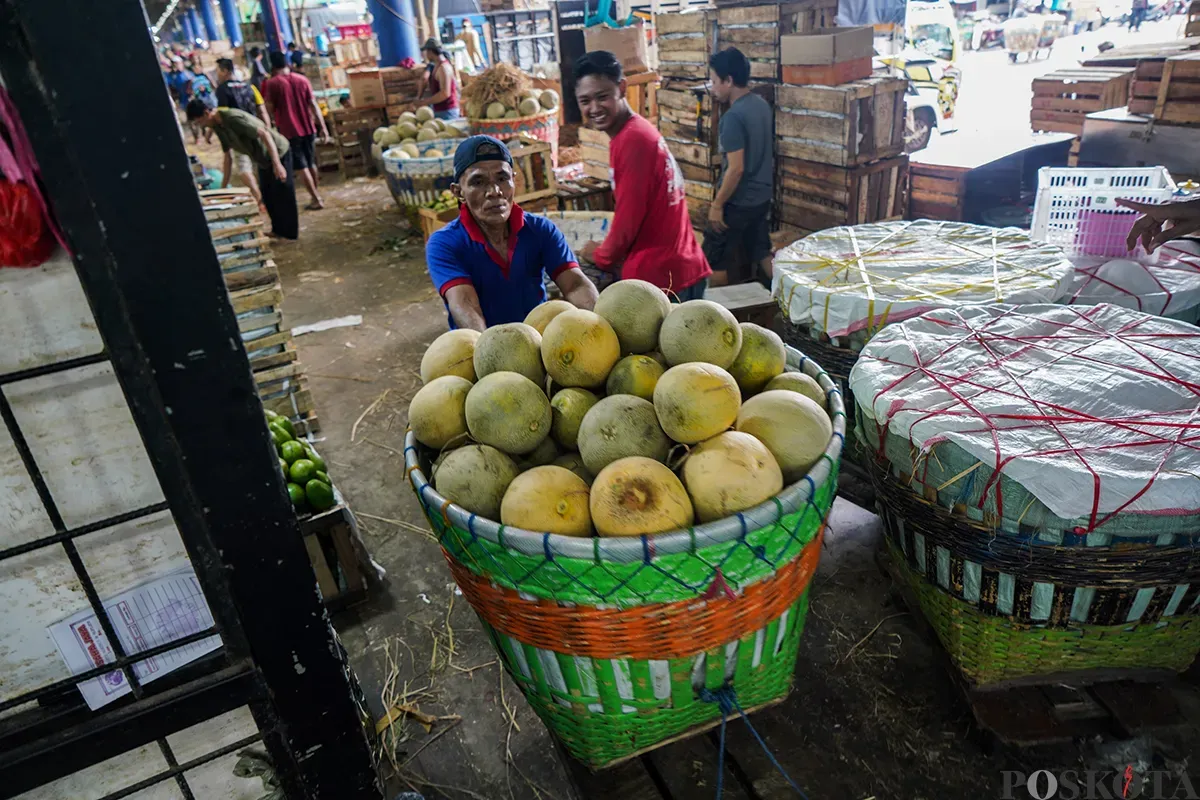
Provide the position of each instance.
(838, 287)
(623, 643)
(1036, 467)
(1165, 282)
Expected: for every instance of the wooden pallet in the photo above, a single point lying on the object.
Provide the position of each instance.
(1168, 90)
(347, 124)
(812, 196)
(1063, 98)
(331, 538)
(936, 192)
(848, 125)
(1055, 709)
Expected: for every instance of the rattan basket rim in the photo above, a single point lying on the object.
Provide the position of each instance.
(548, 114)
(629, 549)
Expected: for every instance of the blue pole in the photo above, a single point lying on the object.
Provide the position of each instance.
(394, 23)
(189, 30)
(285, 23)
(270, 17)
(210, 20)
(233, 22)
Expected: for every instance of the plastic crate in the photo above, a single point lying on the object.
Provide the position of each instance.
(1076, 209)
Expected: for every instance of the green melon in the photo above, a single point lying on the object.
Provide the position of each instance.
(567, 410)
(798, 382)
(636, 310)
(437, 412)
(619, 427)
(635, 375)
(509, 412)
(696, 401)
(574, 462)
(511, 347)
(700, 330)
(794, 428)
(452, 353)
(761, 358)
(476, 478)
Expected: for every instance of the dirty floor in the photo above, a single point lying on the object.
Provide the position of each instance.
(872, 714)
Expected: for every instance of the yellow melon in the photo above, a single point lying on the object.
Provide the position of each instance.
(794, 428)
(635, 375)
(700, 330)
(729, 473)
(475, 477)
(567, 409)
(636, 496)
(437, 413)
(761, 358)
(799, 382)
(636, 310)
(541, 315)
(509, 412)
(574, 462)
(696, 401)
(618, 427)
(579, 348)
(452, 353)
(548, 500)
(511, 347)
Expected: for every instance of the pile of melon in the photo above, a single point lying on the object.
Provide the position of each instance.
(412, 128)
(641, 417)
(531, 103)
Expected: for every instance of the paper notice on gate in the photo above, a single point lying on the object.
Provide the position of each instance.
(151, 614)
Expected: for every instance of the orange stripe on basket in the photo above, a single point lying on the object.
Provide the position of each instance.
(657, 631)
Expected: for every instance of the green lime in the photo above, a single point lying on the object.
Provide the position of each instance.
(283, 465)
(302, 471)
(323, 477)
(269, 414)
(319, 494)
(313, 457)
(280, 437)
(286, 424)
(291, 451)
(297, 494)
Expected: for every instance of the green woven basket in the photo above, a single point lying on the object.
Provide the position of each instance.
(614, 641)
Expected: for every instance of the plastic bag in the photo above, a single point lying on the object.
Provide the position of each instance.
(27, 232)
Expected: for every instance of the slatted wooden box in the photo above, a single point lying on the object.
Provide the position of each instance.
(936, 192)
(1168, 90)
(347, 123)
(755, 29)
(593, 149)
(685, 41)
(847, 125)
(1063, 98)
(812, 197)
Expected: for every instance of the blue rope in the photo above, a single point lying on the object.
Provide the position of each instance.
(726, 699)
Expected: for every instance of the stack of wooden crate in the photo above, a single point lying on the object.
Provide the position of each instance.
(244, 252)
(685, 42)
(593, 149)
(840, 154)
(1063, 98)
(348, 123)
(399, 89)
(755, 29)
(1168, 89)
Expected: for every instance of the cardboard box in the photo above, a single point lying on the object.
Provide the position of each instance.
(827, 46)
(366, 88)
(628, 44)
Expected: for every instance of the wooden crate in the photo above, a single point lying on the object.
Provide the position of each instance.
(1133, 54)
(846, 125)
(812, 196)
(327, 156)
(431, 220)
(331, 539)
(641, 93)
(252, 279)
(755, 31)
(936, 192)
(347, 123)
(1063, 98)
(593, 149)
(585, 194)
(684, 43)
(533, 169)
(1168, 90)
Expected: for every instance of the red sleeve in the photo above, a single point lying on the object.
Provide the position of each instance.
(633, 174)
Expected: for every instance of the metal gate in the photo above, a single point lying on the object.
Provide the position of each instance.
(85, 80)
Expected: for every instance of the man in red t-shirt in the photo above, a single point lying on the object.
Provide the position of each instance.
(651, 237)
(294, 108)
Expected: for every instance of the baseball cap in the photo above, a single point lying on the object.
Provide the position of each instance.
(478, 148)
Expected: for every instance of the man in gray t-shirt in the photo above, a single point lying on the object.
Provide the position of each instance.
(737, 240)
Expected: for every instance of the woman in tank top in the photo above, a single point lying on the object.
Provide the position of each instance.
(441, 82)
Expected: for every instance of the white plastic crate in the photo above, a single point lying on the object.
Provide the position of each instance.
(1076, 209)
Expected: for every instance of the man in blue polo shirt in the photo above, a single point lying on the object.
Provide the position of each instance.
(488, 264)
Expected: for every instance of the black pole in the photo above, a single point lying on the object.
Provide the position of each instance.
(116, 173)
